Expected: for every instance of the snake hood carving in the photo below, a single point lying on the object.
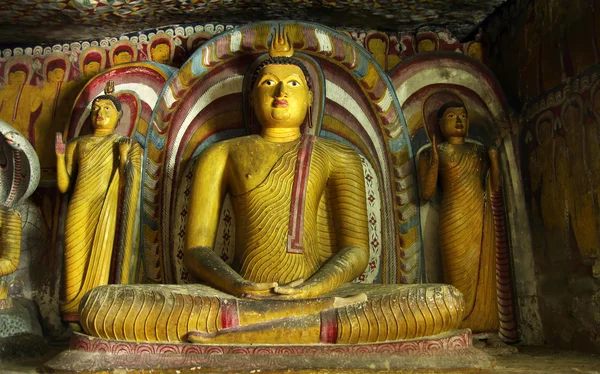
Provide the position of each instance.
(19, 167)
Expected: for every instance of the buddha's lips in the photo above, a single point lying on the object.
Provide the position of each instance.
(99, 119)
(280, 103)
(459, 126)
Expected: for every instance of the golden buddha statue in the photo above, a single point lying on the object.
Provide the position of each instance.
(289, 282)
(100, 169)
(466, 226)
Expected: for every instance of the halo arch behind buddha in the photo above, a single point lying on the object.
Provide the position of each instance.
(202, 104)
(419, 76)
(137, 86)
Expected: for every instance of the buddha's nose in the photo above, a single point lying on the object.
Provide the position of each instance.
(281, 91)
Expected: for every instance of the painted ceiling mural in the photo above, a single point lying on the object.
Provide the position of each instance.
(36, 21)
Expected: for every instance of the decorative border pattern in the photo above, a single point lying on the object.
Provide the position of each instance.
(454, 343)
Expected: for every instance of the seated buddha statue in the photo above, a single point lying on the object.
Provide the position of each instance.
(102, 171)
(290, 279)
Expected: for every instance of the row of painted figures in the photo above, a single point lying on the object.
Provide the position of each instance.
(288, 283)
(35, 110)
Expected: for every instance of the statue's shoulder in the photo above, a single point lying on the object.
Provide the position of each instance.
(223, 145)
(229, 147)
(334, 148)
(476, 146)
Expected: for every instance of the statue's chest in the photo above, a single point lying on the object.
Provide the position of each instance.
(94, 147)
(451, 155)
(248, 170)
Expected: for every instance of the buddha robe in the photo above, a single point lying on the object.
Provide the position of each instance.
(466, 232)
(91, 223)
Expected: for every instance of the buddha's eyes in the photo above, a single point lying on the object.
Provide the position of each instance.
(294, 83)
(462, 116)
(269, 82)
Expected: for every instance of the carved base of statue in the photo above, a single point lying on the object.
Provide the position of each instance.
(357, 326)
(20, 330)
(450, 351)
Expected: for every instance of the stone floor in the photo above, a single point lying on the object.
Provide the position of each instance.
(543, 359)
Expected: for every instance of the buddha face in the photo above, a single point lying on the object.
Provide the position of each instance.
(281, 96)
(454, 122)
(160, 53)
(17, 77)
(91, 68)
(56, 75)
(105, 115)
(122, 57)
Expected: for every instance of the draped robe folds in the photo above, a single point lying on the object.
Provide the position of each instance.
(91, 225)
(466, 232)
(262, 217)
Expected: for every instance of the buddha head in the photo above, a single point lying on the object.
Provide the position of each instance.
(160, 52)
(91, 68)
(56, 71)
(281, 92)
(106, 110)
(281, 88)
(17, 76)
(122, 57)
(92, 62)
(453, 120)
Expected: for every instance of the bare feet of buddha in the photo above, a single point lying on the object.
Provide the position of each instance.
(339, 302)
(199, 337)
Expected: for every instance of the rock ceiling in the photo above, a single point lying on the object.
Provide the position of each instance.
(48, 21)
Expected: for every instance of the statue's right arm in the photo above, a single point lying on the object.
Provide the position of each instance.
(428, 172)
(65, 154)
(208, 191)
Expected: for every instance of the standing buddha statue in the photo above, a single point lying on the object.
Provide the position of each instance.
(468, 175)
(98, 168)
(289, 282)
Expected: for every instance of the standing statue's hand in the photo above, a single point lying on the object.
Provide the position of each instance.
(434, 151)
(124, 146)
(493, 154)
(59, 145)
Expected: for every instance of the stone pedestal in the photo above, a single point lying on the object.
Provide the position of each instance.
(20, 332)
(449, 351)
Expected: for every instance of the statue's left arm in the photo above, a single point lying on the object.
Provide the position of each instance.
(346, 188)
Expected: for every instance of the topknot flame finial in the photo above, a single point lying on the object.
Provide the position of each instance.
(109, 88)
(280, 44)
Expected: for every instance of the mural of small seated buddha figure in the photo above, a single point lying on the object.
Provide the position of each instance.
(160, 50)
(92, 62)
(286, 284)
(122, 52)
(51, 105)
(16, 96)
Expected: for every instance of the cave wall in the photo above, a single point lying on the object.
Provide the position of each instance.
(546, 55)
